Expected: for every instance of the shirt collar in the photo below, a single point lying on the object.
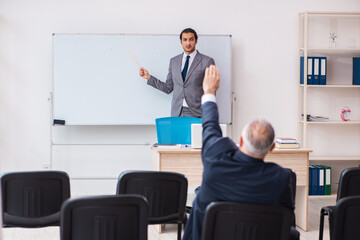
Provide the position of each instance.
(192, 55)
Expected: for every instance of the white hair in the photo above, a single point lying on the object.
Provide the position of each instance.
(258, 137)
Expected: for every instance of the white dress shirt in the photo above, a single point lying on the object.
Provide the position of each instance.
(208, 98)
(191, 59)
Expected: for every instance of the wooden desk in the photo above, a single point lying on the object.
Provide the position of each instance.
(188, 162)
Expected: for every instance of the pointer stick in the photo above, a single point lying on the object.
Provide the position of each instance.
(135, 59)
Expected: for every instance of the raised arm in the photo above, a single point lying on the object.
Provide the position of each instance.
(210, 115)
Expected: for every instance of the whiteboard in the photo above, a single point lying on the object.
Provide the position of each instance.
(96, 81)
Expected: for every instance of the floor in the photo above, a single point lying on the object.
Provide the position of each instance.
(169, 232)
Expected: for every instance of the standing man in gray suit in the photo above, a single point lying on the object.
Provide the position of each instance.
(185, 77)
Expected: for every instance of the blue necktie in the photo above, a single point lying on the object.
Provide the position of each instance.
(184, 71)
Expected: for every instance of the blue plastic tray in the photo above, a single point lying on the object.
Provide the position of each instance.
(175, 130)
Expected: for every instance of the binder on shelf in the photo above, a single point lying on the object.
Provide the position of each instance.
(301, 70)
(310, 72)
(327, 179)
(323, 69)
(310, 75)
(313, 180)
(321, 180)
(356, 71)
(316, 74)
(310, 180)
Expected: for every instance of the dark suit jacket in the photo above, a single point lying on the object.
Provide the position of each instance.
(191, 89)
(230, 175)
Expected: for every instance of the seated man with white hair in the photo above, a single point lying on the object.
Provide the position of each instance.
(236, 174)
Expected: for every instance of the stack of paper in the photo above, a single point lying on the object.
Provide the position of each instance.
(286, 143)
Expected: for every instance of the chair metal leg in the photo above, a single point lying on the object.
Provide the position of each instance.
(331, 223)
(179, 230)
(321, 228)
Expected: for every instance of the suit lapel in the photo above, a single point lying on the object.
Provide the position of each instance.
(178, 62)
(193, 66)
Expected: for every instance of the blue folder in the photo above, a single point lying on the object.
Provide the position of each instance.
(356, 71)
(301, 70)
(313, 180)
(320, 180)
(310, 69)
(316, 70)
(323, 70)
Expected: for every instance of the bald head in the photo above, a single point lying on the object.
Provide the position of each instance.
(258, 137)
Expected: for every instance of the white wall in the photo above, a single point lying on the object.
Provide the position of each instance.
(264, 47)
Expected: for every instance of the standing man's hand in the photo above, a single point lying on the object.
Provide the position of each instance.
(211, 80)
(144, 73)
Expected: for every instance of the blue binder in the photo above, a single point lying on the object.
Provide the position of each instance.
(301, 70)
(316, 70)
(327, 179)
(320, 180)
(323, 70)
(313, 180)
(356, 71)
(310, 68)
(310, 180)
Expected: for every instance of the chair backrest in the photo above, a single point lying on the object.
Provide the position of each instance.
(349, 183)
(175, 130)
(227, 220)
(105, 218)
(33, 199)
(166, 192)
(347, 219)
(292, 183)
(293, 191)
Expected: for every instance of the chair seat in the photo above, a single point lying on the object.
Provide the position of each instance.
(173, 218)
(30, 222)
(328, 209)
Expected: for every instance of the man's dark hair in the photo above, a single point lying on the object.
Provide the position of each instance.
(189, 30)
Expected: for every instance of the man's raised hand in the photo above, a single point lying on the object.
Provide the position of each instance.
(211, 80)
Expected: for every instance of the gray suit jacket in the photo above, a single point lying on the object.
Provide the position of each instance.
(190, 89)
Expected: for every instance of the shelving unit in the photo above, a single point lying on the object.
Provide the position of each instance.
(342, 138)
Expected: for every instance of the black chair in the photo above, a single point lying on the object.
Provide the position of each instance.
(347, 219)
(227, 220)
(348, 186)
(166, 193)
(293, 193)
(33, 199)
(105, 218)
